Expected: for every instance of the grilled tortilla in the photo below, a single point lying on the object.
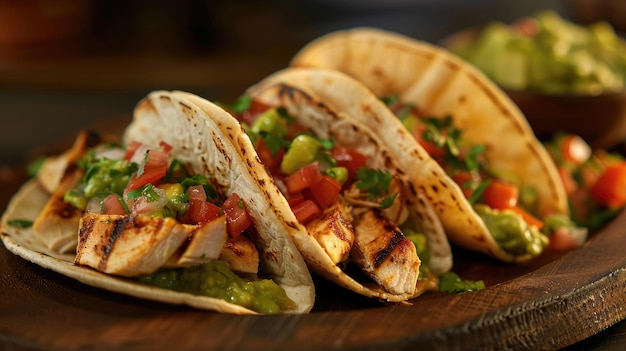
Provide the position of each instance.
(440, 84)
(326, 114)
(198, 142)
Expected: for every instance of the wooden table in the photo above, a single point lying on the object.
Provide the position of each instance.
(552, 302)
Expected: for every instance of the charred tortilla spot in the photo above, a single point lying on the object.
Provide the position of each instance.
(271, 256)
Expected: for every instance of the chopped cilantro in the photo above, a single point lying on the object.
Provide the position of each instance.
(242, 104)
(20, 223)
(452, 283)
(33, 168)
(376, 183)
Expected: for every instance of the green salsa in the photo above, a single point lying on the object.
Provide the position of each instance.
(511, 232)
(215, 279)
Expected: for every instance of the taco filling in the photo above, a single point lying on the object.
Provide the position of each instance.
(357, 214)
(147, 218)
(507, 206)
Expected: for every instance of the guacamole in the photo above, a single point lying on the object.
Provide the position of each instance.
(215, 279)
(548, 54)
(511, 233)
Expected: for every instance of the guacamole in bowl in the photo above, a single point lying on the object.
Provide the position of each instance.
(547, 54)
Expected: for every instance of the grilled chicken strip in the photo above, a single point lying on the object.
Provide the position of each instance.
(334, 231)
(241, 254)
(385, 254)
(204, 243)
(58, 222)
(128, 246)
(53, 169)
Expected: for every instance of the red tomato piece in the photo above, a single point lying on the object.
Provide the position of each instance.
(433, 150)
(305, 211)
(351, 159)
(237, 217)
(574, 149)
(165, 147)
(272, 162)
(200, 212)
(501, 195)
(467, 181)
(130, 150)
(610, 188)
(154, 168)
(112, 205)
(303, 178)
(294, 199)
(196, 192)
(562, 240)
(326, 191)
(256, 108)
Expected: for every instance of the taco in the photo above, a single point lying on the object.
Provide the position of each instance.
(368, 230)
(182, 213)
(458, 109)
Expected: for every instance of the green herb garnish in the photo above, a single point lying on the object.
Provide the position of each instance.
(452, 283)
(20, 223)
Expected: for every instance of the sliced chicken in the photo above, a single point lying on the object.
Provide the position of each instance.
(57, 223)
(385, 254)
(334, 231)
(128, 246)
(204, 243)
(53, 169)
(241, 254)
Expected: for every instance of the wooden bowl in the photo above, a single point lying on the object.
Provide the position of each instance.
(599, 119)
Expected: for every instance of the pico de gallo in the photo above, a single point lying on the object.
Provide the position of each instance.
(498, 197)
(141, 180)
(595, 180)
(313, 173)
(144, 180)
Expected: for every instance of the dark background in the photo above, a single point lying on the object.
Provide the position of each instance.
(65, 64)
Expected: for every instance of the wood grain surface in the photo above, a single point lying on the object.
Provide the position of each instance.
(548, 303)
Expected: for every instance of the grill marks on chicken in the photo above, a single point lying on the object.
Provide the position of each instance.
(132, 246)
(334, 231)
(385, 254)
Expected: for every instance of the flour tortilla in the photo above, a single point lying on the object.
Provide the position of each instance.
(199, 142)
(441, 84)
(327, 115)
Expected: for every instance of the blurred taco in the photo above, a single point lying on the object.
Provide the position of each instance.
(182, 213)
(369, 230)
(470, 127)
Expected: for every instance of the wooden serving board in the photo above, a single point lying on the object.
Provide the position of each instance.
(548, 303)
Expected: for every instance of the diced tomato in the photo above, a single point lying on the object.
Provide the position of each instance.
(501, 195)
(528, 218)
(256, 108)
(351, 159)
(568, 180)
(306, 210)
(237, 218)
(196, 192)
(294, 199)
(574, 149)
(112, 205)
(130, 150)
(165, 147)
(433, 150)
(467, 181)
(201, 211)
(326, 191)
(154, 168)
(303, 178)
(562, 240)
(610, 189)
(272, 162)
